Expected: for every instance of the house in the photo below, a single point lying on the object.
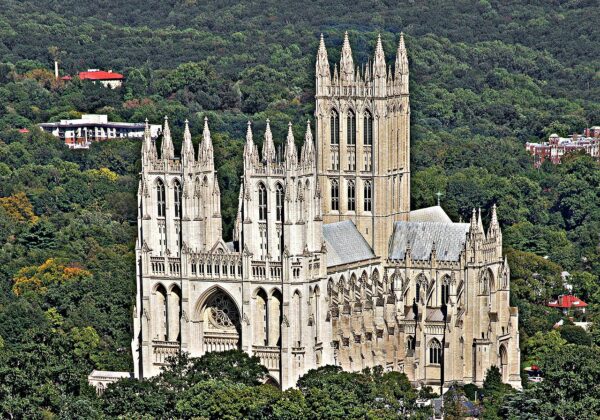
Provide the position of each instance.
(80, 133)
(106, 78)
(568, 302)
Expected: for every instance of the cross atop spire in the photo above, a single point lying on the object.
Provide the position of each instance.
(167, 151)
(268, 152)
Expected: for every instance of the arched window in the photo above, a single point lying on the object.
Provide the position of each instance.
(368, 129)
(368, 196)
(351, 128)
(351, 196)
(160, 198)
(279, 202)
(435, 352)
(335, 127)
(410, 345)
(445, 293)
(335, 195)
(177, 198)
(417, 291)
(262, 202)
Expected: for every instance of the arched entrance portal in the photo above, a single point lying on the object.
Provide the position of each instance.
(219, 323)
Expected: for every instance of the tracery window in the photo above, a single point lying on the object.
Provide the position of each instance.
(262, 202)
(368, 129)
(279, 203)
(177, 198)
(335, 195)
(410, 345)
(351, 129)
(368, 196)
(435, 352)
(445, 293)
(351, 196)
(335, 127)
(160, 198)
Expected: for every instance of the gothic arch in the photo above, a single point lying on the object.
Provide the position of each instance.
(219, 321)
(503, 361)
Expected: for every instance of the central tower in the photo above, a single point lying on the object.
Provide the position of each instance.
(363, 142)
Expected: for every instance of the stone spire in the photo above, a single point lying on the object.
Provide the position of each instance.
(167, 151)
(346, 62)
(473, 223)
(205, 152)
(187, 148)
(268, 152)
(148, 147)
(494, 228)
(322, 65)
(336, 78)
(291, 156)
(379, 61)
(479, 222)
(308, 149)
(249, 147)
(401, 70)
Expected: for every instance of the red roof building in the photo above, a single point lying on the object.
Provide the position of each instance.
(107, 78)
(566, 302)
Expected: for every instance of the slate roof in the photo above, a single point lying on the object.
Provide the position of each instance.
(449, 240)
(429, 214)
(345, 244)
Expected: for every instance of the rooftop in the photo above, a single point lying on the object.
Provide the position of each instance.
(567, 301)
(94, 74)
(421, 237)
(345, 244)
(429, 214)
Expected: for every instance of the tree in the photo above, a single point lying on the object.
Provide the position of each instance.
(574, 334)
(542, 345)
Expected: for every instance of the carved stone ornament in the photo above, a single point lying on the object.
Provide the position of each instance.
(285, 322)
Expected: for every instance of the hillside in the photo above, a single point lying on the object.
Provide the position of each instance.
(486, 76)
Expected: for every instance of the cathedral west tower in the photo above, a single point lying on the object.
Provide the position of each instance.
(363, 132)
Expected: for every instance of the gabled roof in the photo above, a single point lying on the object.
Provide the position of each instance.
(430, 214)
(449, 239)
(568, 301)
(100, 75)
(345, 244)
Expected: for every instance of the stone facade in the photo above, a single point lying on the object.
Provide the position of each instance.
(327, 264)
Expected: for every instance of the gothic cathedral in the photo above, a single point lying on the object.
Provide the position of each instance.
(328, 264)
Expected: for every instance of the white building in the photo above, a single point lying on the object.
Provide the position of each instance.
(81, 133)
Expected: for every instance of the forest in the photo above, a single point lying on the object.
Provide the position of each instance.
(486, 77)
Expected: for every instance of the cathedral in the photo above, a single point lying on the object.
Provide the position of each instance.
(328, 265)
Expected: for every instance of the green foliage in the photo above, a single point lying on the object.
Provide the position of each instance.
(568, 390)
(541, 345)
(574, 334)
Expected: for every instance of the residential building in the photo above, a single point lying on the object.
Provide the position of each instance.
(81, 133)
(556, 147)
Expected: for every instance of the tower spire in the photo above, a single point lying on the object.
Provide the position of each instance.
(346, 62)
(206, 148)
(291, 156)
(268, 152)
(322, 65)
(167, 151)
(249, 148)
(379, 61)
(148, 147)
(308, 151)
(401, 70)
(187, 148)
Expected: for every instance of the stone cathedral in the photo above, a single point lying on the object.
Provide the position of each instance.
(328, 265)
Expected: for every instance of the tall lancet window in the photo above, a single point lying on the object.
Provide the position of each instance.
(335, 195)
(160, 198)
(262, 202)
(368, 129)
(351, 128)
(279, 202)
(351, 196)
(177, 198)
(335, 127)
(368, 196)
